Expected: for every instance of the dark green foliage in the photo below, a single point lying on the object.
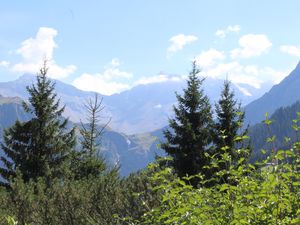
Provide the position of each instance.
(80, 202)
(189, 137)
(139, 191)
(284, 128)
(228, 125)
(41, 146)
(102, 199)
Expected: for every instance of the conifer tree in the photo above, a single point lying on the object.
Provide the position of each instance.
(91, 161)
(42, 145)
(188, 138)
(228, 125)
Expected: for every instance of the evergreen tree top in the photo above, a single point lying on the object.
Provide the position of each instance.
(42, 97)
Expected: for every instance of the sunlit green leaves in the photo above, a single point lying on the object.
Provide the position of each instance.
(271, 139)
(265, 196)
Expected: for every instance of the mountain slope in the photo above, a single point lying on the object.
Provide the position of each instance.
(10, 111)
(281, 128)
(283, 94)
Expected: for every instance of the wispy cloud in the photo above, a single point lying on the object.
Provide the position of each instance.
(179, 41)
(291, 49)
(4, 63)
(251, 75)
(107, 82)
(159, 79)
(222, 33)
(209, 57)
(251, 45)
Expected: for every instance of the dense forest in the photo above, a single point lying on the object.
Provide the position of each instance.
(54, 173)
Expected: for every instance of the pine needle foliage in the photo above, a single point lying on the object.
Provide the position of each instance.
(228, 125)
(43, 145)
(189, 138)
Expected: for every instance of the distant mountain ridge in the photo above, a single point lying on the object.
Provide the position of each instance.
(143, 108)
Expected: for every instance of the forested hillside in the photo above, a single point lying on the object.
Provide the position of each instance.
(284, 129)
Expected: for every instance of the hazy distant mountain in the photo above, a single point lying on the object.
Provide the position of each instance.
(147, 107)
(71, 96)
(10, 111)
(283, 94)
(144, 108)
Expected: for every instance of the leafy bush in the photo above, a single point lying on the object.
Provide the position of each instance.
(268, 195)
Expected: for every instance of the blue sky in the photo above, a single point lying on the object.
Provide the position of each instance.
(111, 46)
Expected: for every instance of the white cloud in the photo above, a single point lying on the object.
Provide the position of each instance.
(54, 71)
(179, 41)
(4, 63)
(246, 79)
(96, 82)
(222, 33)
(251, 45)
(251, 75)
(35, 50)
(112, 80)
(108, 82)
(275, 75)
(221, 70)
(159, 79)
(291, 49)
(42, 46)
(209, 57)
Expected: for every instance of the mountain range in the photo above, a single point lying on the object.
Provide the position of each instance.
(143, 108)
(139, 116)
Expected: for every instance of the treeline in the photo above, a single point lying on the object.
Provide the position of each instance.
(49, 178)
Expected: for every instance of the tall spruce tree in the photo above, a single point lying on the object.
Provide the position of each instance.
(42, 145)
(228, 125)
(189, 137)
